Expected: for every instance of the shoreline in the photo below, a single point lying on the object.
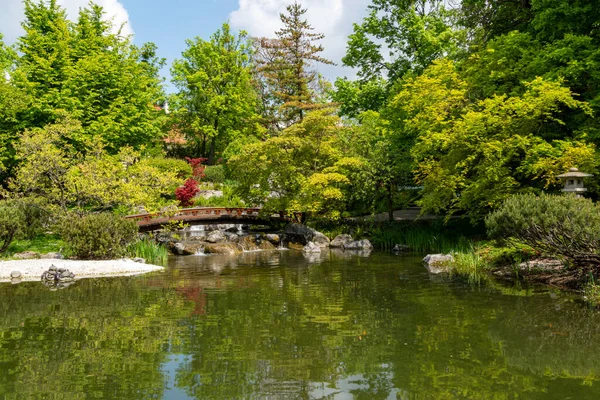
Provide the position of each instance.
(31, 270)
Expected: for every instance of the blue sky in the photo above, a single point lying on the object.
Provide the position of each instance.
(170, 23)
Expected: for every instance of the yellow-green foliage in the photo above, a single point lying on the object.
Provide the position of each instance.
(296, 170)
(472, 155)
(51, 169)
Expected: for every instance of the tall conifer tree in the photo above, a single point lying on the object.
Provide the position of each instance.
(287, 68)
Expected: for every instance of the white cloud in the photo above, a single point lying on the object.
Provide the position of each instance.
(13, 14)
(334, 18)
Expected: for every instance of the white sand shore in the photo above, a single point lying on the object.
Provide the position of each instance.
(31, 270)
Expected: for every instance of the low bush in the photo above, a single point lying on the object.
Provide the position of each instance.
(563, 226)
(97, 236)
(214, 174)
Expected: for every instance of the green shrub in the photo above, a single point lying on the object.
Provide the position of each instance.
(214, 174)
(11, 223)
(97, 236)
(181, 168)
(36, 218)
(564, 226)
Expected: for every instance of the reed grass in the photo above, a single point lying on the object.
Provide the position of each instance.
(150, 251)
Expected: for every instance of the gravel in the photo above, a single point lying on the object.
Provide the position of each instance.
(31, 270)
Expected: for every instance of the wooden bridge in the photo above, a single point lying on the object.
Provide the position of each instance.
(206, 216)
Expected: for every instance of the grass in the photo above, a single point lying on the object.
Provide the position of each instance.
(40, 244)
(149, 250)
(469, 264)
(591, 292)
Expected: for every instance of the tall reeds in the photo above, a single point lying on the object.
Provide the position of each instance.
(150, 251)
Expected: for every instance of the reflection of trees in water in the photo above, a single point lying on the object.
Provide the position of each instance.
(248, 328)
(105, 337)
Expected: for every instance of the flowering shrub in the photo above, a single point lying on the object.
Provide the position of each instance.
(197, 167)
(186, 193)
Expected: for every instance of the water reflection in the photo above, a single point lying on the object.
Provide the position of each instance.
(279, 325)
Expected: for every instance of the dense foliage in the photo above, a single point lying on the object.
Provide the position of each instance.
(564, 226)
(97, 236)
(455, 108)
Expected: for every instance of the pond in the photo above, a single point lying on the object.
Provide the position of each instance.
(275, 325)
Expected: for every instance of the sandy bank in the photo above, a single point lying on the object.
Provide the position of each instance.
(31, 270)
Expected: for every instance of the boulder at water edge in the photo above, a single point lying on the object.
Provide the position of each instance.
(273, 238)
(216, 237)
(359, 245)
(438, 263)
(297, 233)
(311, 248)
(320, 240)
(341, 241)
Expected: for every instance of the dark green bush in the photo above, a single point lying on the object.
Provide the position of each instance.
(35, 217)
(11, 223)
(97, 236)
(214, 174)
(563, 226)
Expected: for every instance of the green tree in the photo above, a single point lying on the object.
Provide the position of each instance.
(295, 171)
(414, 34)
(471, 156)
(286, 65)
(216, 101)
(97, 76)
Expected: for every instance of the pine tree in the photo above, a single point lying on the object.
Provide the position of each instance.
(286, 65)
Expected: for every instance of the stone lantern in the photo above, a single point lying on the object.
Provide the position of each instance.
(574, 181)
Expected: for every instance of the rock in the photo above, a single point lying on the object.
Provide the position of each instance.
(207, 194)
(546, 264)
(15, 274)
(139, 260)
(61, 270)
(216, 237)
(400, 248)
(52, 268)
(233, 229)
(341, 241)
(266, 245)
(320, 240)
(247, 243)
(27, 255)
(192, 248)
(273, 238)
(311, 248)
(232, 237)
(364, 244)
(52, 256)
(15, 281)
(222, 248)
(438, 263)
(177, 248)
(297, 233)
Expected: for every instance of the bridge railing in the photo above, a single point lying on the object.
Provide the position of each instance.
(198, 212)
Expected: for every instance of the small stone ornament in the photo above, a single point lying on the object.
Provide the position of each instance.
(57, 278)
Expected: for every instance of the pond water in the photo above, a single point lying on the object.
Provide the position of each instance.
(275, 325)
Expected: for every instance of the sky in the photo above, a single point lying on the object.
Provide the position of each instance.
(169, 23)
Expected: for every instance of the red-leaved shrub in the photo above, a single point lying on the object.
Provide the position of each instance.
(186, 193)
(197, 167)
